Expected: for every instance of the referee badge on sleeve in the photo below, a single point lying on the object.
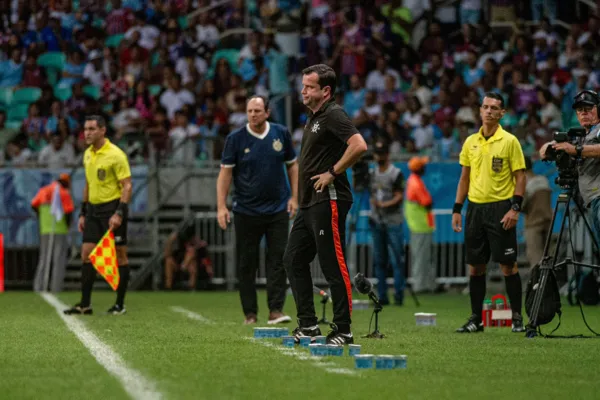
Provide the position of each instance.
(101, 174)
(277, 145)
(496, 164)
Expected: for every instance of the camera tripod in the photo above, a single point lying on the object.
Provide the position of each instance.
(549, 263)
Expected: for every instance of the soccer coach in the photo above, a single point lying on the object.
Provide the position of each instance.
(330, 145)
(493, 176)
(106, 195)
(254, 157)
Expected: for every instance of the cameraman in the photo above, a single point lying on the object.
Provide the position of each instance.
(586, 107)
(387, 187)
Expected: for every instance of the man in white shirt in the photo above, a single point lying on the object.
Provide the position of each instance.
(239, 118)
(184, 149)
(376, 78)
(93, 69)
(149, 34)
(206, 32)
(425, 134)
(175, 97)
(57, 154)
(189, 60)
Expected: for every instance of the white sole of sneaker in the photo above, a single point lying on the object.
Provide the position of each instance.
(280, 320)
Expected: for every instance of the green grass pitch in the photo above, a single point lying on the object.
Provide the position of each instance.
(211, 357)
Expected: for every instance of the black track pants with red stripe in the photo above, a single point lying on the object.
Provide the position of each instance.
(320, 230)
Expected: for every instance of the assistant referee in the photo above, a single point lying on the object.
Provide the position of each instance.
(493, 176)
(106, 196)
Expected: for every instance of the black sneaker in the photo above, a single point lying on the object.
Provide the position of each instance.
(517, 323)
(78, 309)
(117, 310)
(474, 324)
(310, 331)
(338, 338)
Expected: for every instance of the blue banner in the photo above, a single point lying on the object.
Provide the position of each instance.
(19, 186)
(441, 179)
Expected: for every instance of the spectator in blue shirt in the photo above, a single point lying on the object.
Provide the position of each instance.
(73, 71)
(49, 33)
(254, 158)
(471, 74)
(354, 99)
(11, 71)
(58, 113)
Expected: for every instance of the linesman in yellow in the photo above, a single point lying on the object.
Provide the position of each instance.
(493, 177)
(106, 196)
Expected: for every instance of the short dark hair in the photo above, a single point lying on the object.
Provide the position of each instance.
(258, 96)
(99, 120)
(326, 75)
(495, 96)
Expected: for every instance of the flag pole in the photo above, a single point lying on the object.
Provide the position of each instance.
(49, 257)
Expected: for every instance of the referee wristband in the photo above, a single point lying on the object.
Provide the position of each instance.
(518, 200)
(457, 209)
(84, 207)
(122, 208)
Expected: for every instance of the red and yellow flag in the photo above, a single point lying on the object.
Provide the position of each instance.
(104, 259)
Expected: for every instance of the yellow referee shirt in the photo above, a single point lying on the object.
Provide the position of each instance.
(492, 164)
(104, 171)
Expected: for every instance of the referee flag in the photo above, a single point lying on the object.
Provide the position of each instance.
(56, 206)
(104, 259)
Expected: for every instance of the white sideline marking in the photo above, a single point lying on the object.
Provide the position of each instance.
(318, 361)
(134, 383)
(191, 315)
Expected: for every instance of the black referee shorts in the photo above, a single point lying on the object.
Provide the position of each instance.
(485, 236)
(96, 223)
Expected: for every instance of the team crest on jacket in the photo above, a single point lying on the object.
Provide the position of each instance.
(496, 164)
(277, 145)
(101, 174)
(315, 127)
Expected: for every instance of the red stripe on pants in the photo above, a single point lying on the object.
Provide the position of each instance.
(339, 254)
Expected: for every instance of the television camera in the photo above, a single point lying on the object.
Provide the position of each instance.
(566, 164)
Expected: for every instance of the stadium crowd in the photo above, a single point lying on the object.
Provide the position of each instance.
(165, 72)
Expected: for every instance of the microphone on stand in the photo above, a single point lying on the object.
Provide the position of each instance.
(364, 286)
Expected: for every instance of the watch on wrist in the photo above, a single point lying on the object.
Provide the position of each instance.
(516, 207)
(579, 149)
(332, 172)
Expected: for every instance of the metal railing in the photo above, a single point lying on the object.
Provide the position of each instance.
(448, 257)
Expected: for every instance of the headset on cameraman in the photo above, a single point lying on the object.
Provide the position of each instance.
(595, 98)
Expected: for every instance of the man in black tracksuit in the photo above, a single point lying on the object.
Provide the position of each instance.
(330, 145)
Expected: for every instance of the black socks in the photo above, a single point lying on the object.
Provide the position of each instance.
(124, 274)
(514, 291)
(88, 275)
(477, 291)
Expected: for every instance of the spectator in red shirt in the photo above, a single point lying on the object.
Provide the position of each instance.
(33, 76)
(446, 111)
(119, 20)
(115, 85)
